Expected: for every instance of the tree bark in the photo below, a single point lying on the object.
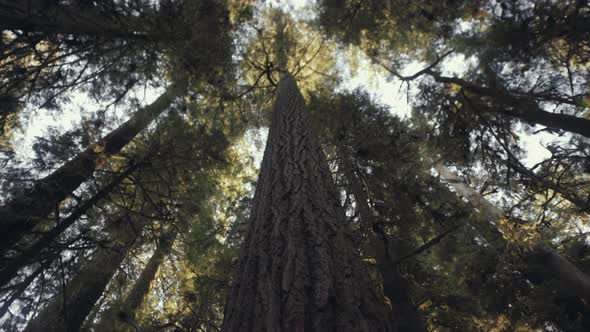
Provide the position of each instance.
(82, 292)
(28, 209)
(298, 269)
(395, 286)
(13, 264)
(122, 316)
(570, 276)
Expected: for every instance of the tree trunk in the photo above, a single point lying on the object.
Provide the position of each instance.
(566, 122)
(82, 292)
(395, 286)
(560, 268)
(38, 16)
(298, 269)
(122, 316)
(28, 209)
(19, 289)
(526, 108)
(9, 105)
(12, 265)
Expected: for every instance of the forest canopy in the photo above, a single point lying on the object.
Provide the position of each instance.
(293, 165)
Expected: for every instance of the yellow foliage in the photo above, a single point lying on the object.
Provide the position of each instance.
(501, 323)
(98, 149)
(520, 237)
(454, 88)
(311, 57)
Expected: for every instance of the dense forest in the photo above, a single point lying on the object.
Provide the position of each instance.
(208, 165)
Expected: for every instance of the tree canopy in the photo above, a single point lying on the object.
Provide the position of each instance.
(243, 165)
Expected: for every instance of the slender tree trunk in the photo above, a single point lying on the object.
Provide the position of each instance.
(28, 209)
(560, 268)
(526, 108)
(395, 286)
(20, 288)
(82, 292)
(9, 105)
(565, 122)
(88, 324)
(298, 269)
(122, 316)
(29, 255)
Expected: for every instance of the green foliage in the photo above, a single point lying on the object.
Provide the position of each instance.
(394, 28)
(276, 37)
(194, 171)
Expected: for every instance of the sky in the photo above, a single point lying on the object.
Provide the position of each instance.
(386, 90)
(37, 122)
(389, 91)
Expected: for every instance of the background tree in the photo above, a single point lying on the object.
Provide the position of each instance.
(402, 194)
(454, 218)
(28, 209)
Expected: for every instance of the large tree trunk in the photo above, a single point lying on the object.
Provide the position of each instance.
(82, 292)
(395, 286)
(122, 316)
(560, 268)
(28, 209)
(298, 269)
(11, 265)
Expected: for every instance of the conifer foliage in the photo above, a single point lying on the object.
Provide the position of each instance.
(319, 165)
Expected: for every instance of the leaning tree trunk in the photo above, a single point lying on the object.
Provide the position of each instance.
(525, 108)
(82, 292)
(32, 253)
(122, 316)
(28, 209)
(298, 269)
(560, 268)
(16, 290)
(395, 286)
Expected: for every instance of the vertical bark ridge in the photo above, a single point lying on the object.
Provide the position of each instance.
(298, 269)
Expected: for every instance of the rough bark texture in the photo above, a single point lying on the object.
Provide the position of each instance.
(395, 286)
(122, 316)
(298, 269)
(30, 208)
(85, 289)
(570, 276)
